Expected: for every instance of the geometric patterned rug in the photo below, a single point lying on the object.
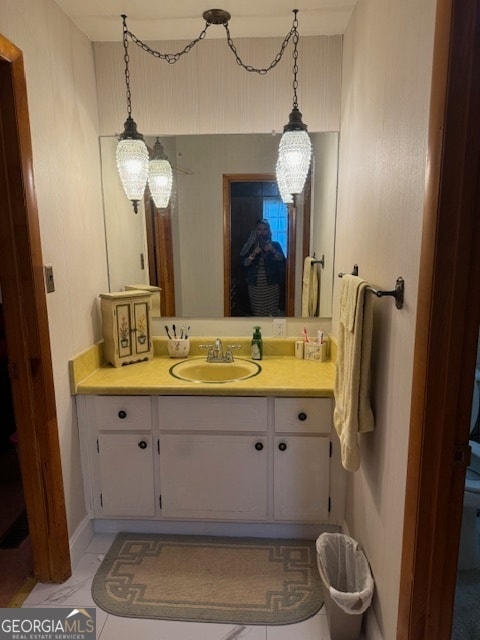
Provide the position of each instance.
(209, 579)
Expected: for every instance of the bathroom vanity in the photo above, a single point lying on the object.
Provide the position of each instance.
(256, 452)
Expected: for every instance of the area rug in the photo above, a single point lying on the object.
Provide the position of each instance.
(209, 579)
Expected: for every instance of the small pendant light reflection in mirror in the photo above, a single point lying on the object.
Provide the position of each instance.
(160, 177)
(132, 152)
(285, 194)
(295, 150)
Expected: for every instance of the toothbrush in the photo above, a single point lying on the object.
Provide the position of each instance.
(307, 339)
(182, 333)
(187, 332)
(168, 333)
(174, 332)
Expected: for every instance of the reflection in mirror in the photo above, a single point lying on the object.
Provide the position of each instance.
(195, 218)
(259, 245)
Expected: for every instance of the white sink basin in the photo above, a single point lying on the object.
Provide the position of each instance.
(201, 371)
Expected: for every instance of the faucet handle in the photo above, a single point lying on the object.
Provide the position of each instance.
(228, 352)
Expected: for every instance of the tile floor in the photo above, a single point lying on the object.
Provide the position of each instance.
(75, 592)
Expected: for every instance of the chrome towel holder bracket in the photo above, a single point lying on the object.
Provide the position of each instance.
(398, 293)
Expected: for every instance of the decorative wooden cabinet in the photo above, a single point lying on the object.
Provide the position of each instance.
(156, 296)
(126, 325)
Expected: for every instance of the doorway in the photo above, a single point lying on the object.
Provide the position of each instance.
(446, 330)
(26, 329)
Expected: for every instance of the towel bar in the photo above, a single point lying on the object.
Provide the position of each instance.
(397, 293)
(322, 261)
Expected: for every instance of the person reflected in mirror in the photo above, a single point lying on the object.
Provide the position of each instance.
(264, 263)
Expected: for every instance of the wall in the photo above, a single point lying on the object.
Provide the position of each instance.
(61, 89)
(207, 92)
(385, 98)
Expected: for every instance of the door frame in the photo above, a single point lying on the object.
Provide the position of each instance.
(26, 328)
(448, 317)
(292, 237)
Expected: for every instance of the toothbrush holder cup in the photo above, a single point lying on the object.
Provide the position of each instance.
(178, 348)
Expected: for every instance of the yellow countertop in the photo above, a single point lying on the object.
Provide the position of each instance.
(281, 375)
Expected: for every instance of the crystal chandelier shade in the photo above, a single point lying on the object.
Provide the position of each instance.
(160, 177)
(295, 153)
(132, 165)
(285, 194)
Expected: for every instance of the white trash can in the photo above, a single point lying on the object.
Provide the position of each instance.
(347, 584)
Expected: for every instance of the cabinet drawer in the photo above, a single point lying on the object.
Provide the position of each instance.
(193, 413)
(303, 415)
(120, 412)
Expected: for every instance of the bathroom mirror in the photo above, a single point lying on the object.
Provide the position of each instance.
(195, 217)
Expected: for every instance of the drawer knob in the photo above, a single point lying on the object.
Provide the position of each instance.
(259, 446)
(282, 446)
(142, 444)
(302, 416)
(122, 414)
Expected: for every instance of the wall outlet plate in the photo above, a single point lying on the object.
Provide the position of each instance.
(279, 327)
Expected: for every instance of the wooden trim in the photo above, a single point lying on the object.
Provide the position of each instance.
(26, 327)
(447, 329)
(158, 224)
(291, 259)
(227, 254)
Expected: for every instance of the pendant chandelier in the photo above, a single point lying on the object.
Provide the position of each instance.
(133, 163)
(160, 177)
(132, 152)
(295, 150)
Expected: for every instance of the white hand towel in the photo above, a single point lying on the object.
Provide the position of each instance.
(353, 413)
(310, 287)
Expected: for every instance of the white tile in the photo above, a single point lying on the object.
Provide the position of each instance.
(117, 628)
(315, 628)
(75, 591)
(101, 543)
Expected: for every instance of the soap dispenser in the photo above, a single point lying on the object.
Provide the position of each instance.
(257, 344)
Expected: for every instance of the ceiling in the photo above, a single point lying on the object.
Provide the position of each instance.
(100, 20)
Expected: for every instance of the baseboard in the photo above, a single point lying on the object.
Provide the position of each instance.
(260, 530)
(371, 630)
(370, 627)
(80, 540)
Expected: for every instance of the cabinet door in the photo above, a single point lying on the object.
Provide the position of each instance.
(301, 478)
(213, 476)
(126, 474)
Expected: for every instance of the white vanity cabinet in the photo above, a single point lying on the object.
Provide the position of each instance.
(118, 455)
(302, 451)
(213, 457)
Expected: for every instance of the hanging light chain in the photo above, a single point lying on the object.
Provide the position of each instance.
(295, 59)
(126, 59)
(277, 58)
(172, 58)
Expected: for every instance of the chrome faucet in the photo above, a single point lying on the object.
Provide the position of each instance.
(216, 352)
